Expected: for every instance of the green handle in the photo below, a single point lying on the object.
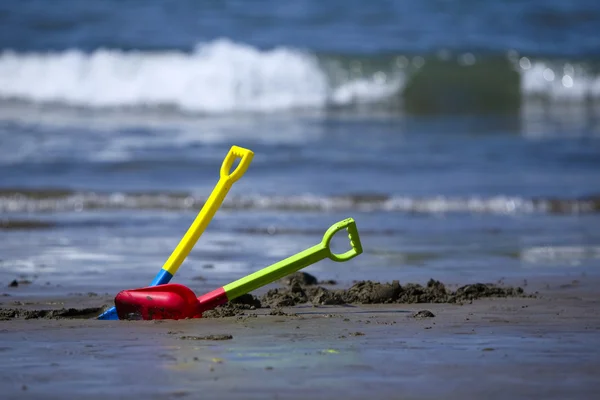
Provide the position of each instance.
(350, 226)
(298, 261)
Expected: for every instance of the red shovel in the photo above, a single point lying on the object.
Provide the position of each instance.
(175, 301)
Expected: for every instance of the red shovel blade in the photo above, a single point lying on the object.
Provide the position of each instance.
(170, 301)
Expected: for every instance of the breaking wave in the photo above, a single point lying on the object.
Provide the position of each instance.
(56, 200)
(223, 76)
(217, 77)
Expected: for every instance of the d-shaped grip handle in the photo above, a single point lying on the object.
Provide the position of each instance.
(235, 152)
(350, 226)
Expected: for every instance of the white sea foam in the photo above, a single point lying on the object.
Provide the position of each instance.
(18, 203)
(219, 76)
(560, 255)
(559, 82)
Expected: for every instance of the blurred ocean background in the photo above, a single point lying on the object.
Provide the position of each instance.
(463, 137)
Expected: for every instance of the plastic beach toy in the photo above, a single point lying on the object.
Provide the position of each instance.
(175, 301)
(203, 218)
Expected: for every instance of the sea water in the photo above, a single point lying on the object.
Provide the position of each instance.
(463, 137)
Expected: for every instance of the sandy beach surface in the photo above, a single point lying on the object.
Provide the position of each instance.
(545, 346)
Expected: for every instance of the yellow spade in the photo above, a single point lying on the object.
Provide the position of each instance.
(202, 220)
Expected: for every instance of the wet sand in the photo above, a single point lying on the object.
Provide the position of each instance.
(545, 346)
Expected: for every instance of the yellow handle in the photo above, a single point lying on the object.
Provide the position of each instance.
(211, 206)
(235, 152)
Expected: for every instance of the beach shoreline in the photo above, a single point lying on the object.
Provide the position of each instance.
(544, 345)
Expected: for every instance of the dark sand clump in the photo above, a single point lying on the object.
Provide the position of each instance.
(7, 224)
(369, 292)
(70, 313)
(304, 279)
(226, 310)
(237, 306)
(16, 283)
(301, 278)
(423, 314)
(207, 337)
(363, 292)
